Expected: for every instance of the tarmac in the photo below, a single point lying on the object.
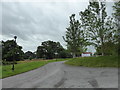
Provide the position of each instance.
(59, 75)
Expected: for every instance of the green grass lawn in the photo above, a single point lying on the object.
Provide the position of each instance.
(5, 71)
(101, 61)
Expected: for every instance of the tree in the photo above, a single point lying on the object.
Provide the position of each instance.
(29, 55)
(49, 50)
(116, 15)
(40, 52)
(64, 54)
(75, 37)
(11, 50)
(98, 26)
(110, 49)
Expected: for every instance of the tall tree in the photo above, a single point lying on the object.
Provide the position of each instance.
(11, 50)
(49, 50)
(40, 52)
(116, 15)
(96, 23)
(75, 37)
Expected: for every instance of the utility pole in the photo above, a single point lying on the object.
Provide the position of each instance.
(15, 37)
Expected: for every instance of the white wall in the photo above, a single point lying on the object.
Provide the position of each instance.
(85, 55)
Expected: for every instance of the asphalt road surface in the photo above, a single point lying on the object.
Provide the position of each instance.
(59, 75)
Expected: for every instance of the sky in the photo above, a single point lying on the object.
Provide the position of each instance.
(35, 22)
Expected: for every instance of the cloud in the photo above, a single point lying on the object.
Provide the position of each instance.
(35, 22)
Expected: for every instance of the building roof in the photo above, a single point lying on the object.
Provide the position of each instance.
(86, 53)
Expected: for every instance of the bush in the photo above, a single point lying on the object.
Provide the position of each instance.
(30, 58)
(8, 63)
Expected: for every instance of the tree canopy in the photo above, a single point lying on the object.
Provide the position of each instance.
(29, 55)
(99, 27)
(75, 37)
(49, 50)
(11, 50)
(116, 15)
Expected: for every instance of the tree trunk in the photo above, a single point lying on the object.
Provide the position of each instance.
(102, 47)
(74, 55)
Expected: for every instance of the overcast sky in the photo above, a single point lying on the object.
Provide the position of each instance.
(35, 22)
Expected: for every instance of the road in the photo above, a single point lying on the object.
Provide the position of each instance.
(59, 75)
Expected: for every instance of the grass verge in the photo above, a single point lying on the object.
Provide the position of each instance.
(101, 61)
(5, 71)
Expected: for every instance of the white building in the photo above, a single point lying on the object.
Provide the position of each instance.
(86, 54)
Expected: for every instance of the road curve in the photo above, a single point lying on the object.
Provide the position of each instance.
(59, 75)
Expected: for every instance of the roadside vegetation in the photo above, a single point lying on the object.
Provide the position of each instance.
(24, 66)
(101, 61)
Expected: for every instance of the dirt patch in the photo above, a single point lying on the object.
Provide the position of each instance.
(33, 60)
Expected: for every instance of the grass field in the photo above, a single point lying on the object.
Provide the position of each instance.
(101, 61)
(24, 66)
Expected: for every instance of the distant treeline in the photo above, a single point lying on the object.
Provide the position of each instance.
(48, 50)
